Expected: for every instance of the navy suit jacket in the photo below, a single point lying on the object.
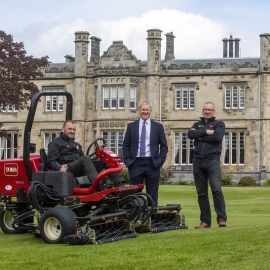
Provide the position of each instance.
(158, 143)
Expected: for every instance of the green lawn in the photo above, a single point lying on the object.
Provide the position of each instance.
(244, 244)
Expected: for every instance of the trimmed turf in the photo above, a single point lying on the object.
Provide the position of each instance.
(244, 244)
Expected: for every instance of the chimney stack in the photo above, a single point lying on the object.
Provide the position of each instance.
(233, 43)
(225, 47)
(95, 50)
(153, 50)
(169, 47)
(237, 41)
(81, 52)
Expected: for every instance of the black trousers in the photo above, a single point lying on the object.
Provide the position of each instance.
(143, 171)
(205, 169)
(85, 166)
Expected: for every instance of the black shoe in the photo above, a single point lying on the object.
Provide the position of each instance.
(109, 184)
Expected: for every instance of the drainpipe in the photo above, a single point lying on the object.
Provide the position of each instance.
(160, 86)
(259, 116)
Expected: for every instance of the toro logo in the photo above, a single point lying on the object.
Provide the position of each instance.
(11, 169)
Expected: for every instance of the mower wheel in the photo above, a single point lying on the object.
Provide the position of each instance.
(6, 219)
(57, 223)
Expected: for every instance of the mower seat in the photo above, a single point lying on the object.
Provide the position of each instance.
(43, 156)
(82, 181)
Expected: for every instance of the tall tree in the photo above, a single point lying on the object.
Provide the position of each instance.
(16, 72)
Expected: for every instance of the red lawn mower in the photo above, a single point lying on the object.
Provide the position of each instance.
(60, 208)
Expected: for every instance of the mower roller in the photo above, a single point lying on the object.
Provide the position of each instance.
(60, 208)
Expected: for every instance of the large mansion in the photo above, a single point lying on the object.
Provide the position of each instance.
(108, 88)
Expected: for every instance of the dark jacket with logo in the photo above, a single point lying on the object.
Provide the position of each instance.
(207, 145)
(63, 150)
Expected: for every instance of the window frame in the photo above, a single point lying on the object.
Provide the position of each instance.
(235, 96)
(184, 96)
(113, 97)
(233, 148)
(183, 148)
(9, 147)
(96, 93)
(132, 97)
(49, 136)
(54, 103)
(9, 108)
(114, 140)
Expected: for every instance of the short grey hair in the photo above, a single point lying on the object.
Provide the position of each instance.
(145, 102)
(209, 102)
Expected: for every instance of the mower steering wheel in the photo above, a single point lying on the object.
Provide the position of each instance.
(96, 144)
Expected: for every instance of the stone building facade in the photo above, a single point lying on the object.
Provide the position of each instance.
(108, 88)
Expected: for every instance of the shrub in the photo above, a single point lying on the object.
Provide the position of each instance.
(182, 182)
(125, 174)
(247, 181)
(165, 175)
(192, 183)
(267, 182)
(226, 179)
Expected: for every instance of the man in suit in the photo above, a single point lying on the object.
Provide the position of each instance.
(145, 152)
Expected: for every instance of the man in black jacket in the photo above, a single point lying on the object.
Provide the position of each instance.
(208, 134)
(66, 155)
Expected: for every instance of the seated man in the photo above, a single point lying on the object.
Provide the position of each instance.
(66, 155)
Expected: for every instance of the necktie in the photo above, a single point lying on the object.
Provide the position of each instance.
(143, 139)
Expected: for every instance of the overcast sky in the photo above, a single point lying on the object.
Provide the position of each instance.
(47, 27)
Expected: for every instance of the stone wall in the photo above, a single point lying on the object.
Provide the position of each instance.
(156, 80)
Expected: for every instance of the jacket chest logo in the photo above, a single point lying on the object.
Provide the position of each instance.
(67, 145)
